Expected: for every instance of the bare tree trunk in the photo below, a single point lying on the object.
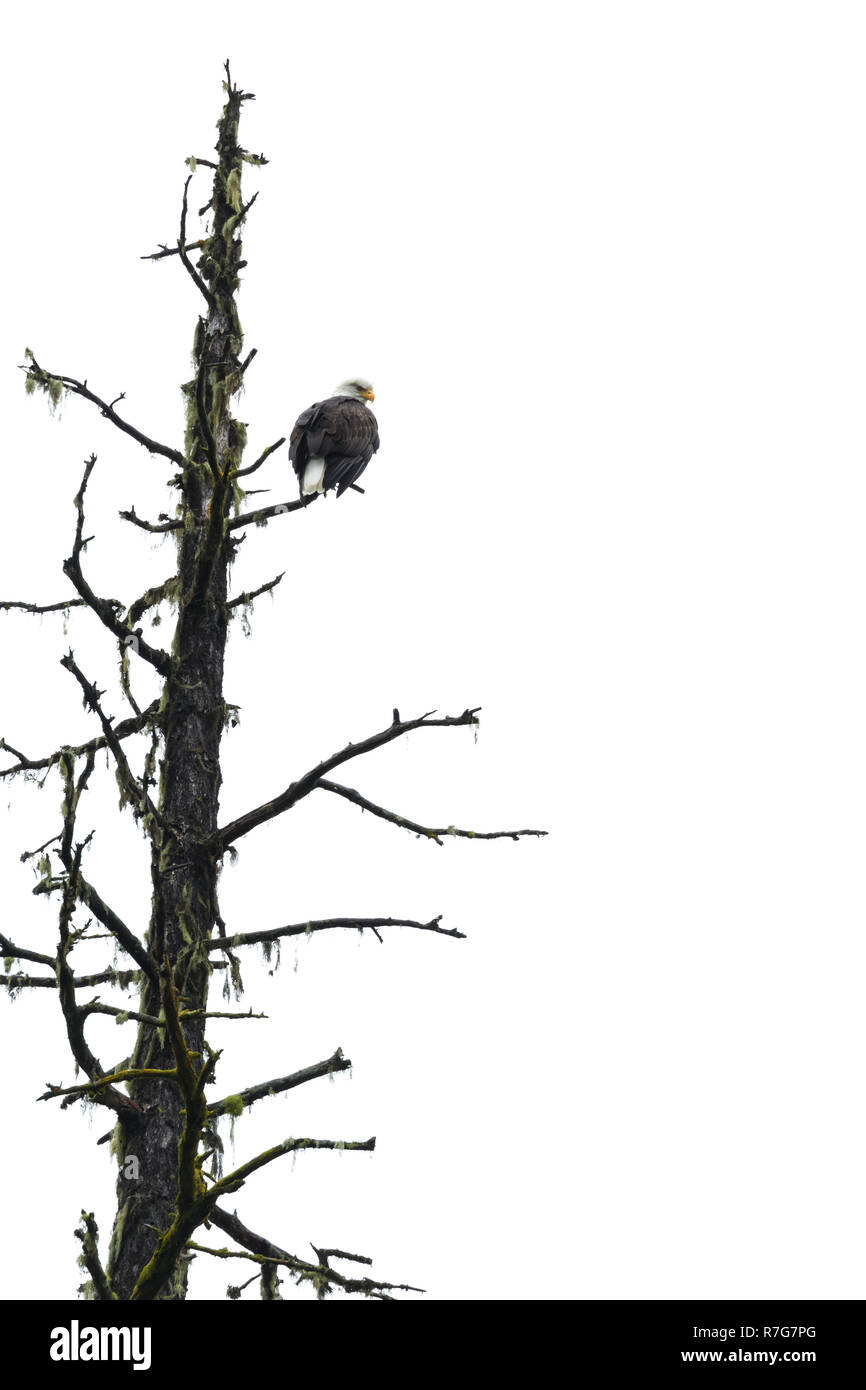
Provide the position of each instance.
(184, 863)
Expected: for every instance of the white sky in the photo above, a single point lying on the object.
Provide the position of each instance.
(605, 267)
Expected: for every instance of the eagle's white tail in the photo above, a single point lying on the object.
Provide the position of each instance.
(314, 476)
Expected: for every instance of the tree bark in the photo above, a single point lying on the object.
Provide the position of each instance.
(192, 714)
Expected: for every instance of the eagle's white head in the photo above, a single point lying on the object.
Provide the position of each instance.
(357, 388)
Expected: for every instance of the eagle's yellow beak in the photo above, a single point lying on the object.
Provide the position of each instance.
(369, 394)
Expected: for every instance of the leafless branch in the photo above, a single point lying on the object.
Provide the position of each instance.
(135, 948)
(361, 924)
(226, 1254)
(44, 607)
(118, 979)
(107, 610)
(236, 1179)
(321, 1276)
(150, 525)
(122, 979)
(32, 853)
(88, 1234)
(264, 514)
(243, 599)
(80, 388)
(117, 929)
(112, 1011)
(124, 729)
(149, 599)
(325, 1255)
(429, 832)
(294, 793)
(74, 1018)
(244, 472)
(137, 793)
(171, 251)
(329, 1067)
(181, 250)
(98, 1084)
(10, 951)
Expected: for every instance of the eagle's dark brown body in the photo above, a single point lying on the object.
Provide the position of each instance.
(342, 432)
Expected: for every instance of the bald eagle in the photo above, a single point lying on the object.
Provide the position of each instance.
(333, 441)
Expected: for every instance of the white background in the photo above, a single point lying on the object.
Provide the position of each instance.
(604, 265)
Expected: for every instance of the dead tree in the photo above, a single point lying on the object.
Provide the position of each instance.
(166, 758)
